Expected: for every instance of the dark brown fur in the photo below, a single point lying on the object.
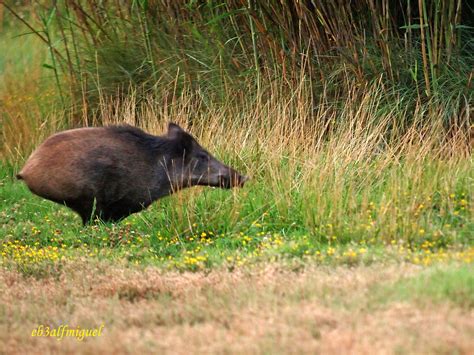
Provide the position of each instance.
(119, 170)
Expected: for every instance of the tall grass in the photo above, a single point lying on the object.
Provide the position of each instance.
(349, 129)
(28, 109)
(362, 180)
(420, 50)
(363, 176)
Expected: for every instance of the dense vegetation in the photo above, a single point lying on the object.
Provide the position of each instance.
(354, 121)
(353, 118)
(419, 53)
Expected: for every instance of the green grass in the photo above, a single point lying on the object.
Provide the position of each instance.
(349, 176)
(357, 222)
(453, 284)
(203, 228)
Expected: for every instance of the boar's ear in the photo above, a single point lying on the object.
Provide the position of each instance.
(173, 129)
(183, 139)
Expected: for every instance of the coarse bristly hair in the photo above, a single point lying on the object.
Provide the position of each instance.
(151, 143)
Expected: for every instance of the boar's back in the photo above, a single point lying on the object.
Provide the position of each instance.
(106, 163)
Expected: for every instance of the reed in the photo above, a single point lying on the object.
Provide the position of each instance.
(421, 48)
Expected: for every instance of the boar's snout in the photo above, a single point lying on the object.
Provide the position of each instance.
(231, 178)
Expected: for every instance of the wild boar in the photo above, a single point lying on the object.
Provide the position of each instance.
(112, 172)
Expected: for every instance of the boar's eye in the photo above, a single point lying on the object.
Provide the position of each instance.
(202, 156)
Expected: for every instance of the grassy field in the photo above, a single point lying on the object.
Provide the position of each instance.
(384, 308)
(333, 204)
(320, 252)
(354, 234)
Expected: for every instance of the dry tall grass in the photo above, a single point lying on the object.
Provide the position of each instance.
(316, 161)
(361, 160)
(363, 165)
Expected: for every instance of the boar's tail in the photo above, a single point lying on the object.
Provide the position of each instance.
(19, 177)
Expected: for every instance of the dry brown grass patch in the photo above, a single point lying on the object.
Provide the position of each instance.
(259, 310)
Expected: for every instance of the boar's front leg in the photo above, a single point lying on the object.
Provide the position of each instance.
(120, 209)
(84, 207)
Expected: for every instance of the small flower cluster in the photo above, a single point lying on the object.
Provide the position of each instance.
(26, 254)
(428, 257)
